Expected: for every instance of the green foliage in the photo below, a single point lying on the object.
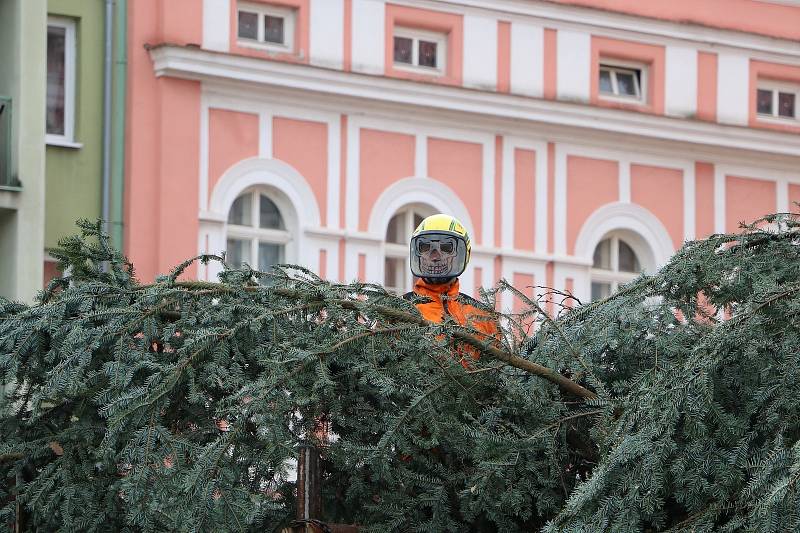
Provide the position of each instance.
(181, 405)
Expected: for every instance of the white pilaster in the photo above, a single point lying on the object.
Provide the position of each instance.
(560, 200)
(573, 65)
(782, 196)
(541, 198)
(421, 155)
(507, 195)
(369, 39)
(680, 88)
(217, 25)
(352, 180)
(265, 135)
(488, 193)
(689, 203)
(733, 87)
(480, 52)
(719, 200)
(527, 59)
(334, 172)
(326, 36)
(624, 181)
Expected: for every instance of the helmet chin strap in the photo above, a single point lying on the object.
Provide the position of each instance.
(438, 281)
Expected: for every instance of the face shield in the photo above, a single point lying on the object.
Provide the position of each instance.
(436, 255)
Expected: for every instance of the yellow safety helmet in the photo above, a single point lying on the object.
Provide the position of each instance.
(440, 248)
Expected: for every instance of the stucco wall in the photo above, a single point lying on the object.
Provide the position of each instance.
(74, 175)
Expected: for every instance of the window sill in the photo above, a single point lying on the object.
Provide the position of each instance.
(772, 119)
(425, 71)
(631, 101)
(273, 48)
(63, 143)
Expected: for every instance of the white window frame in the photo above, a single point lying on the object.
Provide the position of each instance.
(614, 66)
(416, 35)
(254, 234)
(289, 16)
(70, 52)
(394, 250)
(778, 87)
(614, 276)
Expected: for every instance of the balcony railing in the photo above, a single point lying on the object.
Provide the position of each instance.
(7, 178)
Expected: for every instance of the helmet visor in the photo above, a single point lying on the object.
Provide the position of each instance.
(438, 255)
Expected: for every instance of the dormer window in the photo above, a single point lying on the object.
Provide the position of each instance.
(266, 26)
(419, 50)
(622, 82)
(778, 101)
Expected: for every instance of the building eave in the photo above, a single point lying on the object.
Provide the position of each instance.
(197, 64)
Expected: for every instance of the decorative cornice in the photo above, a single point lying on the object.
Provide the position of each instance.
(514, 114)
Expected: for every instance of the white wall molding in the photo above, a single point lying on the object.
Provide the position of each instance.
(781, 178)
(392, 98)
(624, 160)
(414, 190)
(285, 186)
(509, 192)
(654, 246)
(621, 25)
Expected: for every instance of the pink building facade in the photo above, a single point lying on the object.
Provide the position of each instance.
(579, 141)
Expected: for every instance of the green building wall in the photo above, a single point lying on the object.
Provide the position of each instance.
(74, 175)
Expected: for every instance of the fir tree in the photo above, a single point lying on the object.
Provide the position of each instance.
(181, 405)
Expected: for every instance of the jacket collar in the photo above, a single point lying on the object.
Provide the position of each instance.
(436, 291)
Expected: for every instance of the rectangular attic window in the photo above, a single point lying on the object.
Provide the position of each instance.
(266, 26)
(775, 100)
(624, 82)
(420, 50)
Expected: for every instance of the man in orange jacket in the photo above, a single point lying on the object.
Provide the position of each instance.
(440, 251)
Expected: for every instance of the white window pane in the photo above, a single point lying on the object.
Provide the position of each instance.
(602, 255)
(786, 104)
(605, 82)
(427, 54)
(628, 262)
(240, 211)
(764, 102)
(238, 252)
(269, 254)
(600, 290)
(56, 72)
(273, 29)
(403, 47)
(248, 25)
(269, 215)
(626, 84)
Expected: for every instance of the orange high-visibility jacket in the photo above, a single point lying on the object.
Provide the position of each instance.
(445, 300)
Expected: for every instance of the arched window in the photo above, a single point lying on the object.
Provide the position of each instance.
(397, 273)
(615, 263)
(257, 233)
